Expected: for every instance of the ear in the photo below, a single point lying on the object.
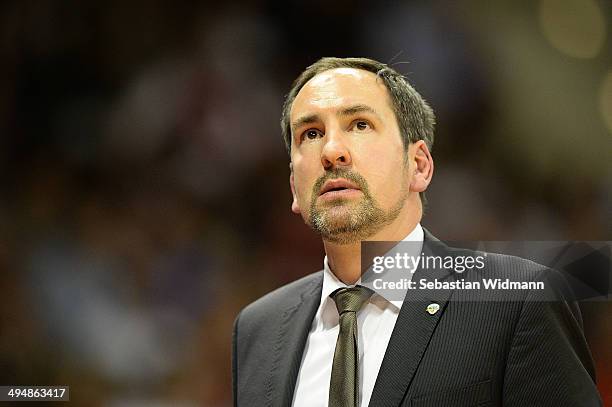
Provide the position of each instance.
(294, 205)
(424, 167)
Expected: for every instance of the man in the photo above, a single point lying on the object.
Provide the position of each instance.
(359, 137)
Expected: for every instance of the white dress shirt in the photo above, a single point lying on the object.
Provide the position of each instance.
(375, 322)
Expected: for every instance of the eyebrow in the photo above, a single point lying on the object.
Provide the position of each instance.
(347, 111)
(351, 110)
(308, 119)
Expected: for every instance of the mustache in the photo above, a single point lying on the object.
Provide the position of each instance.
(340, 173)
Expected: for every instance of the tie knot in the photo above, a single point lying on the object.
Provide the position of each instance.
(350, 298)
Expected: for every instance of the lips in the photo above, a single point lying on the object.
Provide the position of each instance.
(338, 185)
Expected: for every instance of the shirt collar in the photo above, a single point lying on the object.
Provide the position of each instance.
(331, 283)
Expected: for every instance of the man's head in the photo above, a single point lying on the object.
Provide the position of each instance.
(359, 137)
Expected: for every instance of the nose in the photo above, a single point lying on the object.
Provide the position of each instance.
(335, 152)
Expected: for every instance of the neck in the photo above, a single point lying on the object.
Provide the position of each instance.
(345, 259)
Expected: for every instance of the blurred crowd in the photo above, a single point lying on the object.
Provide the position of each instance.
(144, 182)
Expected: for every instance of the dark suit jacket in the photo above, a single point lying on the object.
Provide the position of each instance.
(475, 351)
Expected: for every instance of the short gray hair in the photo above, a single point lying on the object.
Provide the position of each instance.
(415, 118)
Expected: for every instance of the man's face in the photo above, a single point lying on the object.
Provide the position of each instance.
(351, 174)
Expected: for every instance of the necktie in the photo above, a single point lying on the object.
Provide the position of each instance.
(344, 383)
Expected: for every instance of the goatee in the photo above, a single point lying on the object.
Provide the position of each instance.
(343, 222)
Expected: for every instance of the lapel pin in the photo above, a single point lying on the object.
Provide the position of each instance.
(433, 308)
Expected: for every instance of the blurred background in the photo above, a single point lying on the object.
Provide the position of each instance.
(144, 181)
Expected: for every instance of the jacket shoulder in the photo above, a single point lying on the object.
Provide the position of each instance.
(277, 301)
(518, 268)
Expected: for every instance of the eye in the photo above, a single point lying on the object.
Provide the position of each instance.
(311, 134)
(362, 125)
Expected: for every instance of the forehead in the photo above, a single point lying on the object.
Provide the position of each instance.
(339, 87)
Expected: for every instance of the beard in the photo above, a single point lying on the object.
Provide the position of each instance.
(341, 221)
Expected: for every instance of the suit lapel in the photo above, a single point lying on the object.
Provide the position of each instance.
(411, 334)
(289, 346)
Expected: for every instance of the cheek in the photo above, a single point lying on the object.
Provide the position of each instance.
(385, 176)
(304, 177)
